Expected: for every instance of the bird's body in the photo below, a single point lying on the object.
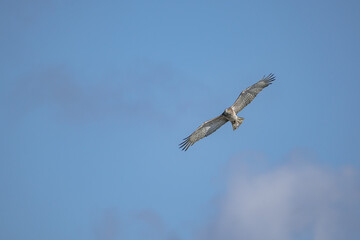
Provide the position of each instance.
(229, 114)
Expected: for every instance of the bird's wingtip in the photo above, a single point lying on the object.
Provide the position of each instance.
(269, 78)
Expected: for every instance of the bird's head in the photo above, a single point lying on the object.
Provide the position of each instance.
(227, 112)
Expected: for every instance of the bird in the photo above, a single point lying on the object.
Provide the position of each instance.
(229, 114)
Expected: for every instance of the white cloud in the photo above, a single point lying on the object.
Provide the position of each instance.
(293, 201)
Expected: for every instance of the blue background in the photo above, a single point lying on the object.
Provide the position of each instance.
(95, 96)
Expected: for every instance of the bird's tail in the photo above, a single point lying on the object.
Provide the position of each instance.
(237, 123)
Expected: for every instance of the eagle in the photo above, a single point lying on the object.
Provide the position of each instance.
(229, 114)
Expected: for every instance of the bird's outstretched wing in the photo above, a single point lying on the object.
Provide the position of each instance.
(204, 130)
(250, 93)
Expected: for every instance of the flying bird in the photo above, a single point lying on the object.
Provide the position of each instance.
(229, 114)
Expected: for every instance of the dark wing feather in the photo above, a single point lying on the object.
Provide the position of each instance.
(250, 93)
(204, 130)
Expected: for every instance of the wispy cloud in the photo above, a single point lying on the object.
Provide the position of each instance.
(108, 226)
(152, 226)
(76, 100)
(292, 201)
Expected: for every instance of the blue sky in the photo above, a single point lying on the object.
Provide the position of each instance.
(95, 96)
